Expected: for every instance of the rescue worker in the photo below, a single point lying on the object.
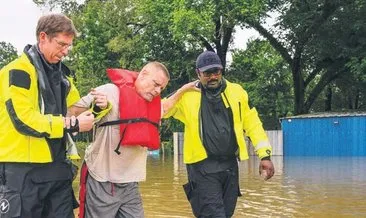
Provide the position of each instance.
(36, 90)
(111, 173)
(215, 121)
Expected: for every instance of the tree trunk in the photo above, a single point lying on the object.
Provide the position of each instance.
(328, 98)
(299, 88)
(357, 99)
(349, 100)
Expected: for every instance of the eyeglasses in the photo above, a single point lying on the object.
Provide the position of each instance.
(63, 45)
(212, 73)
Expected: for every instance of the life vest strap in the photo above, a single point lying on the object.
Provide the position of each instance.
(129, 121)
(126, 121)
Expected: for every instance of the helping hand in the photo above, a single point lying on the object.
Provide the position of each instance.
(191, 86)
(86, 120)
(100, 99)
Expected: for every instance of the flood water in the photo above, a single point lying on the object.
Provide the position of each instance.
(302, 187)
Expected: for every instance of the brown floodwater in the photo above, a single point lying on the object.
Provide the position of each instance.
(302, 187)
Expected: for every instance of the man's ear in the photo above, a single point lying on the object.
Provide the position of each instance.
(198, 73)
(42, 36)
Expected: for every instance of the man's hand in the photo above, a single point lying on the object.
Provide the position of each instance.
(100, 99)
(266, 169)
(86, 120)
(168, 103)
(191, 86)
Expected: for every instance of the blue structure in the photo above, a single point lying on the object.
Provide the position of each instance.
(325, 135)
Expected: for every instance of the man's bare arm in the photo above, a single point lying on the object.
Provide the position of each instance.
(169, 102)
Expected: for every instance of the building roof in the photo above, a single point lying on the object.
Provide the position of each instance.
(328, 114)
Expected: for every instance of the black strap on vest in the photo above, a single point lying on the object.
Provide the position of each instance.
(126, 121)
(129, 121)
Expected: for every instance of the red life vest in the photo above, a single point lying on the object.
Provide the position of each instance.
(139, 119)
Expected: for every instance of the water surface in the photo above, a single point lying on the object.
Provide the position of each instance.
(301, 187)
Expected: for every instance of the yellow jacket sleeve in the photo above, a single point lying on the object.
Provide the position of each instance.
(253, 128)
(175, 111)
(23, 109)
(73, 95)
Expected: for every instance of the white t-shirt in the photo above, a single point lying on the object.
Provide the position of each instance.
(103, 162)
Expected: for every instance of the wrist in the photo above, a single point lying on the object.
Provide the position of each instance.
(72, 128)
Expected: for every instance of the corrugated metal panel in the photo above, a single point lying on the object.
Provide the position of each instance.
(325, 136)
(178, 142)
(275, 138)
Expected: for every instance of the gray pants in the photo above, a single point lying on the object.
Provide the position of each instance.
(105, 199)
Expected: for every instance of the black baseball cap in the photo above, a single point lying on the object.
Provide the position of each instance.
(208, 60)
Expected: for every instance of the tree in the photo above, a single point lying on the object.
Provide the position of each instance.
(7, 53)
(317, 39)
(99, 24)
(267, 79)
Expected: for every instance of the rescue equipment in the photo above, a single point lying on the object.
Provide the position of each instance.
(139, 119)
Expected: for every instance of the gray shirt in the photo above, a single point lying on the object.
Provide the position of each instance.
(103, 163)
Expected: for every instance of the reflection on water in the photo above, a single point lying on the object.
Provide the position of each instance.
(301, 187)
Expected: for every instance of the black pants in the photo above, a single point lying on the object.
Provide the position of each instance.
(45, 189)
(213, 194)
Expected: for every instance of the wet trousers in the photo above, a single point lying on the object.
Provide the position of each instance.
(213, 194)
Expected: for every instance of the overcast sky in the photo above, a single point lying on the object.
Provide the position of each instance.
(18, 20)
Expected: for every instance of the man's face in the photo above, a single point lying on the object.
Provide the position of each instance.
(150, 84)
(56, 47)
(211, 79)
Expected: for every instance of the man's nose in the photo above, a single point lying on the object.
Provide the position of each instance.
(65, 51)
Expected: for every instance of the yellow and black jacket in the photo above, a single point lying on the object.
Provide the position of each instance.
(187, 110)
(31, 124)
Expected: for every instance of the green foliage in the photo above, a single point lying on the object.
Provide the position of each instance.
(267, 79)
(317, 39)
(92, 53)
(316, 47)
(7, 53)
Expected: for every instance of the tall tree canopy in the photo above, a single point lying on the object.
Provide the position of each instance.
(322, 42)
(317, 39)
(267, 79)
(7, 53)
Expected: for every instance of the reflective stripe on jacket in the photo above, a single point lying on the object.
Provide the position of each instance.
(23, 126)
(187, 110)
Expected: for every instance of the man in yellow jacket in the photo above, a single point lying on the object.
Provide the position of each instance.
(215, 119)
(36, 90)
